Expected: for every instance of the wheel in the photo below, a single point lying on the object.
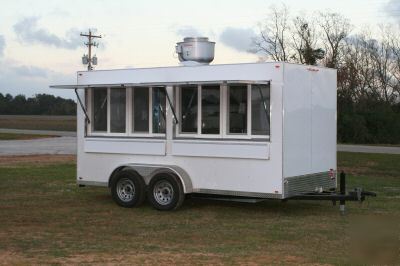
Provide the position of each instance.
(165, 192)
(128, 189)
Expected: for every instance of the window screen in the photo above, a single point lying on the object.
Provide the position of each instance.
(189, 109)
(238, 109)
(210, 109)
(141, 109)
(99, 110)
(260, 109)
(118, 110)
(159, 114)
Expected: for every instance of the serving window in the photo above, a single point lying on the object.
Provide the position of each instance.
(199, 108)
(232, 111)
(118, 110)
(237, 109)
(210, 109)
(260, 110)
(140, 110)
(189, 104)
(99, 110)
(220, 111)
(159, 114)
(248, 110)
(136, 111)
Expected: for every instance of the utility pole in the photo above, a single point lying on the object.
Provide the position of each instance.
(87, 59)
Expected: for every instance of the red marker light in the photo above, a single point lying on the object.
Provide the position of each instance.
(332, 173)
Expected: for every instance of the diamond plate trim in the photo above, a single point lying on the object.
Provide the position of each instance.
(296, 185)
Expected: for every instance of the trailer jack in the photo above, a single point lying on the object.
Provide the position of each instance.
(357, 194)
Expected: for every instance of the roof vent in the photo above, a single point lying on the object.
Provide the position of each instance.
(195, 51)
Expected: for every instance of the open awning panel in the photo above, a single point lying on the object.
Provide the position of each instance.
(158, 84)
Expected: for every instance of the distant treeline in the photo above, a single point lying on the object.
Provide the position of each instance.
(41, 104)
(368, 121)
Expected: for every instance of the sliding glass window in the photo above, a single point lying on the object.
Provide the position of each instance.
(99, 110)
(237, 109)
(189, 105)
(210, 109)
(159, 109)
(118, 110)
(260, 102)
(140, 103)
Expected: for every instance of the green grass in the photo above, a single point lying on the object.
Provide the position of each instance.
(15, 136)
(45, 218)
(38, 122)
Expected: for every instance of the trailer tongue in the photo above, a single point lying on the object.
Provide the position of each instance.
(357, 194)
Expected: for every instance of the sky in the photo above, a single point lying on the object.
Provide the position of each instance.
(40, 43)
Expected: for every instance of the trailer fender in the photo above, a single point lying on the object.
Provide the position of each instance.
(147, 172)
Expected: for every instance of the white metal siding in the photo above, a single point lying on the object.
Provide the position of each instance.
(297, 121)
(323, 120)
(309, 135)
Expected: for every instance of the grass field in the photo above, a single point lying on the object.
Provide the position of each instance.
(46, 219)
(14, 136)
(38, 122)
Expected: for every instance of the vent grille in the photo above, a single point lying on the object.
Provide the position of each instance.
(308, 183)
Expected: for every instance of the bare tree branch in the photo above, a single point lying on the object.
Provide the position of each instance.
(335, 29)
(273, 35)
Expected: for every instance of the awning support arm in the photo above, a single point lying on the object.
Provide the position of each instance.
(170, 105)
(82, 106)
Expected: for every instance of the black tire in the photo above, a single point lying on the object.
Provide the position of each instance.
(128, 189)
(165, 192)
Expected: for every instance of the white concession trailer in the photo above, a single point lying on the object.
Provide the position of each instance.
(257, 130)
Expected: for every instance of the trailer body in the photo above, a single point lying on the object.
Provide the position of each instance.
(296, 155)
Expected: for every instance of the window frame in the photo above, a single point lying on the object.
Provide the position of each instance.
(109, 113)
(131, 113)
(107, 133)
(227, 113)
(143, 134)
(198, 134)
(90, 104)
(224, 114)
(128, 117)
(151, 112)
(200, 109)
(249, 134)
(255, 136)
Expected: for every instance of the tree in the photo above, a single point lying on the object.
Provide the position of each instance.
(305, 42)
(335, 29)
(274, 35)
(395, 43)
(384, 65)
(356, 72)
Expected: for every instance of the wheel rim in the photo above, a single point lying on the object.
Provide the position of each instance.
(163, 192)
(126, 189)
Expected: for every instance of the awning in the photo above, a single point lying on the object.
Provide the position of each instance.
(158, 84)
